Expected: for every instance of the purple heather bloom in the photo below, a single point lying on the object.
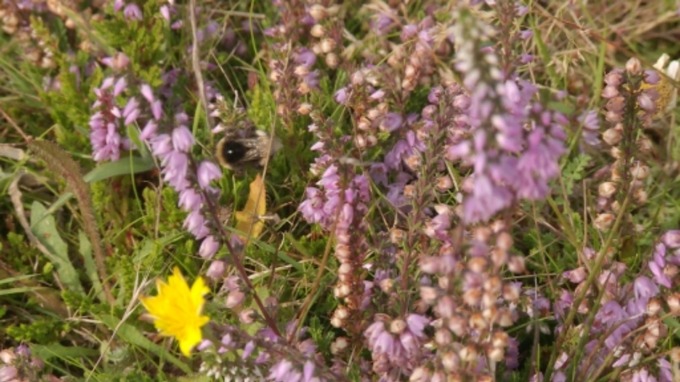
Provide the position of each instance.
(642, 375)
(131, 111)
(182, 139)
(132, 12)
(671, 239)
(512, 354)
(119, 86)
(216, 270)
(657, 266)
(207, 172)
(378, 94)
(485, 199)
(209, 247)
(341, 96)
(311, 79)
(665, 371)
(305, 57)
(644, 288)
(563, 304)
(526, 58)
(526, 34)
(308, 372)
(161, 145)
(195, 223)
(248, 349)
(118, 62)
(312, 207)
(189, 199)
(118, 5)
(283, 371)
(165, 12)
(147, 93)
(149, 131)
(9, 373)
(652, 77)
(382, 23)
(613, 316)
(409, 145)
(591, 127)
(416, 324)
(408, 32)
(391, 122)
(176, 166)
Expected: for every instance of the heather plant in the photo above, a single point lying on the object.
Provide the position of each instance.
(331, 191)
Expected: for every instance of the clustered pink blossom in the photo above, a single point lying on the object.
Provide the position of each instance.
(110, 117)
(515, 144)
(629, 322)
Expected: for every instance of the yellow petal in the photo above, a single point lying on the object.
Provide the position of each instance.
(176, 309)
(247, 220)
(190, 339)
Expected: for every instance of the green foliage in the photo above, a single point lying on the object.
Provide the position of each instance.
(42, 330)
(44, 228)
(574, 171)
(141, 226)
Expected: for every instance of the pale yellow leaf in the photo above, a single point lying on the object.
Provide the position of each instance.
(248, 221)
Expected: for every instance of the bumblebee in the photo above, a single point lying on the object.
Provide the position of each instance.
(243, 148)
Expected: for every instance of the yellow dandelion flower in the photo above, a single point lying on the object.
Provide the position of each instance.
(176, 310)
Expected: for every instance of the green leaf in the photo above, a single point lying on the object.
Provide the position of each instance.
(16, 279)
(44, 227)
(20, 290)
(123, 166)
(55, 350)
(130, 334)
(90, 267)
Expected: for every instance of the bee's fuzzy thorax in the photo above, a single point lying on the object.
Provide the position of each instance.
(242, 149)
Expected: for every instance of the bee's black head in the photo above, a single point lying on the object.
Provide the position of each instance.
(233, 151)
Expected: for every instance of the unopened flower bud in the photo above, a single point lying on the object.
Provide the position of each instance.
(234, 299)
(477, 264)
(444, 183)
(496, 354)
(247, 316)
(397, 326)
(653, 307)
(640, 196)
(442, 337)
(318, 31)
(612, 136)
(386, 285)
(332, 60)
(327, 45)
(604, 221)
(360, 141)
(645, 146)
(450, 361)
(317, 11)
(607, 189)
(633, 66)
(339, 345)
(397, 235)
(428, 294)
(341, 291)
(468, 354)
(420, 374)
(516, 264)
(341, 312)
(646, 102)
(673, 302)
(336, 322)
(7, 356)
